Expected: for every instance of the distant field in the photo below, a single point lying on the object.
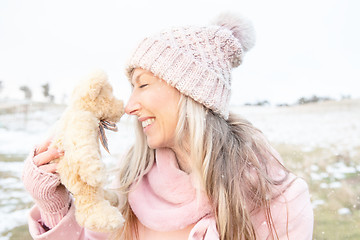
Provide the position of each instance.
(14, 201)
(334, 186)
(333, 182)
(319, 142)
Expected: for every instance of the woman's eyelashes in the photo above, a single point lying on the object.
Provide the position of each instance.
(143, 85)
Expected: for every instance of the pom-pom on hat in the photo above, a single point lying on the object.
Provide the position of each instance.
(197, 60)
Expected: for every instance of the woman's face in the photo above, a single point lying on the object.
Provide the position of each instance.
(156, 105)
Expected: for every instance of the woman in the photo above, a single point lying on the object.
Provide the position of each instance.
(195, 171)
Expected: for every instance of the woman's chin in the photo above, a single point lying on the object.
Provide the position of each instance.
(152, 145)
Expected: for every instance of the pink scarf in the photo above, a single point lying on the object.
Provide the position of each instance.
(166, 200)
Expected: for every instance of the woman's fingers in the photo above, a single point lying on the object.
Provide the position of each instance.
(50, 168)
(47, 156)
(42, 147)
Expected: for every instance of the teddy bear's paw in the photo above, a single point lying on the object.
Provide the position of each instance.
(101, 217)
(94, 175)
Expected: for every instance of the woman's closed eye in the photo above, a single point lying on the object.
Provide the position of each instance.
(143, 85)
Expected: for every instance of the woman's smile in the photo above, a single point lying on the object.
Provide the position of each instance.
(147, 122)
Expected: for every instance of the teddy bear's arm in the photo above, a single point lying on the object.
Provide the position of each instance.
(82, 151)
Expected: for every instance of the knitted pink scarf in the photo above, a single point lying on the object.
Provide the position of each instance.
(166, 200)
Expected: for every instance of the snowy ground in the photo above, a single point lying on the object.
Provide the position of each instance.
(19, 132)
(332, 125)
(327, 124)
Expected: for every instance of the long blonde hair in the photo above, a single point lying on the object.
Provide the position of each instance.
(232, 160)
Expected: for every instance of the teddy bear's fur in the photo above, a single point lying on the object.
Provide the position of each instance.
(81, 169)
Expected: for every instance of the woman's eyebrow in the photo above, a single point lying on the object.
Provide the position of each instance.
(137, 78)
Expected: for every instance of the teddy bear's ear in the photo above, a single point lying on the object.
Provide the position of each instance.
(94, 83)
(94, 91)
(97, 80)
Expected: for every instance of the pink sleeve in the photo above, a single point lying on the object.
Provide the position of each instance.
(291, 212)
(50, 196)
(67, 228)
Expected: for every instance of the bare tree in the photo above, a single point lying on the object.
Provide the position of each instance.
(46, 92)
(28, 96)
(46, 88)
(27, 92)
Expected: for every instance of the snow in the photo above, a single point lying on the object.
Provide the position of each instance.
(344, 211)
(317, 202)
(19, 133)
(336, 129)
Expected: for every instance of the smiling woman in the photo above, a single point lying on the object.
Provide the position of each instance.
(155, 103)
(196, 170)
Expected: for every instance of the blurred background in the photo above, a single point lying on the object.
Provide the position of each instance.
(299, 85)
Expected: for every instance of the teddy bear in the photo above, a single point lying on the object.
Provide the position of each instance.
(92, 108)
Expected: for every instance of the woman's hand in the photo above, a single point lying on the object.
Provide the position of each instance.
(44, 156)
(43, 184)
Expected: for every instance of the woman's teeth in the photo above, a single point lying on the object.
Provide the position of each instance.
(147, 122)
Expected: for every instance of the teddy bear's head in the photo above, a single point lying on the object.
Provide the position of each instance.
(95, 94)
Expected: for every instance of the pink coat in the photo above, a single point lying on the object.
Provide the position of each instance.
(299, 224)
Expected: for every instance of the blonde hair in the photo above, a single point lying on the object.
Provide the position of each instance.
(136, 163)
(233, 163)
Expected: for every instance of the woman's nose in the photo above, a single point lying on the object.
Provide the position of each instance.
(132, 107)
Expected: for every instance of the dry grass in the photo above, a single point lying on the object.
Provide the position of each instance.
(20, 233)
(329, 222)
(334, 191)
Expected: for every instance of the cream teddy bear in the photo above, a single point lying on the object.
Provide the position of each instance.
(81, 170)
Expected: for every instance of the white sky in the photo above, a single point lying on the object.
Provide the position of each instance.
(303, 47)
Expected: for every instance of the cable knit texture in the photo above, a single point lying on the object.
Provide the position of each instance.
(197, 60)
(51, 197)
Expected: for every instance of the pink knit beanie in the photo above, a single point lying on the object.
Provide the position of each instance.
(197, 60)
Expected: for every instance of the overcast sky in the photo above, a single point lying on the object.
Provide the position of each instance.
(303, 47)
